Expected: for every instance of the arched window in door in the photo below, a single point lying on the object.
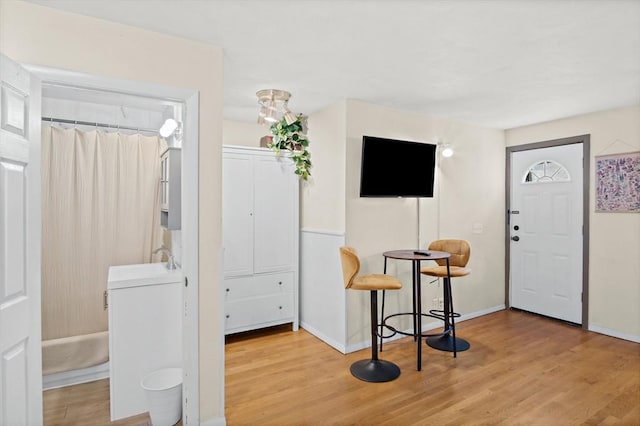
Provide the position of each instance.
(546, 171)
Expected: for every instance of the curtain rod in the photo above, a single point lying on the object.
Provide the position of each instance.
(94, 124)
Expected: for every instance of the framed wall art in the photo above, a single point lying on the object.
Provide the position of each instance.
(618, 182)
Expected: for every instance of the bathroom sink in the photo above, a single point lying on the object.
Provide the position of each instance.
(140, 275)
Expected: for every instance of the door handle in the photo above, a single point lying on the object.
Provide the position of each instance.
(515, 238)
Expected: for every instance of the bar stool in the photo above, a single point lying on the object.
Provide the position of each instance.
(374, 369)
(460, 253)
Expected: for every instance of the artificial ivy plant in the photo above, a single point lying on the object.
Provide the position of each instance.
(293, 137)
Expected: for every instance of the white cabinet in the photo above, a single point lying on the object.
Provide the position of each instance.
(170, 192)
(260, 206)
(145, 330)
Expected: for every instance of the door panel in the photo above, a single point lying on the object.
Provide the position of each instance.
(275, 207)
(12, 182)
(546, 248)
(237, 215)
(20, 346)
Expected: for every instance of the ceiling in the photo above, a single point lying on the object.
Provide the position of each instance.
(494, 63)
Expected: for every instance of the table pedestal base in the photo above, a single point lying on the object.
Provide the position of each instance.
(445, 343)
(377, 371)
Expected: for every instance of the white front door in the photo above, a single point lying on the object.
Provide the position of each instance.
(546, 231)
(20, 345)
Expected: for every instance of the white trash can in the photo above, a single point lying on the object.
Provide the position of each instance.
(163, 390)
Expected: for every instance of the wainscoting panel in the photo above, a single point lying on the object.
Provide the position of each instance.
(322, 293)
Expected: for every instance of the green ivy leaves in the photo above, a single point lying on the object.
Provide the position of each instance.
(293, 138)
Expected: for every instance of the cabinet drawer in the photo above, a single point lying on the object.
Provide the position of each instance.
(258, 285)
(258, 312)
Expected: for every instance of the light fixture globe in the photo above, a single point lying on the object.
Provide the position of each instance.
(168, 127)
(447, 151)
(273, 105)
(289, 116)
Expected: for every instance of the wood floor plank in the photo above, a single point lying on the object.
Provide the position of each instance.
(521, 369)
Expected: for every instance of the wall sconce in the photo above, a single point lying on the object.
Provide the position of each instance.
(274, 106)
(446, 150)
(168, 127)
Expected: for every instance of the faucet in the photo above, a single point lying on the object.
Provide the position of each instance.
(171, 263)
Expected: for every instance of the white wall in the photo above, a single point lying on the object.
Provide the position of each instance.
(323, 195)
(322, 295)
(42, 36)
(614, 246)
(243, 134)
(470, 191)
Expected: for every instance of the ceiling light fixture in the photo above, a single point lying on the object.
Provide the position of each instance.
(289, 116)
(273, 106)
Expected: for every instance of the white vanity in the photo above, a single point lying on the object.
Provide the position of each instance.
(145, 330)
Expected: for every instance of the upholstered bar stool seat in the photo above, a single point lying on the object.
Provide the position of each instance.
(460, 252)
(374, 369)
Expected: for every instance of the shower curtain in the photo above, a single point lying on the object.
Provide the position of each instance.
(100, 207)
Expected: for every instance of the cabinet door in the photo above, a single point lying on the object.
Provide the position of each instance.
(237, 215)
(276, 214)
(164, 182)
(145, 334)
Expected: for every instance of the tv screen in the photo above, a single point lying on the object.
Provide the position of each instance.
(396, 168)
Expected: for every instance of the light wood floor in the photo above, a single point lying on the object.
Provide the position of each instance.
(521, 370)
(86, 404)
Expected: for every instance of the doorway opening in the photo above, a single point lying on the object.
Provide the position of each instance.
(168, 102)
(547, 228)
(101, 159)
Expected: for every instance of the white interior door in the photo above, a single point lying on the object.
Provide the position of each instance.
(546, 231)
(20, 345)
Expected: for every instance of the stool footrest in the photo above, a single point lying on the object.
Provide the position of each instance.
(439, 313)
(381, 334)
(395, 331)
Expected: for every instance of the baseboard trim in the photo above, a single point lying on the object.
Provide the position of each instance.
(75, 377)
(481, 313)
(613, 333)
(326, 339)
(216, 421)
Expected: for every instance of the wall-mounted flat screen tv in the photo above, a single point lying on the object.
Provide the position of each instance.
(396, 168)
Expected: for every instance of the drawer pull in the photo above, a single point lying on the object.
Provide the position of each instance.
(228, 315)
(279, 282)
(227, 290)
(279, 307)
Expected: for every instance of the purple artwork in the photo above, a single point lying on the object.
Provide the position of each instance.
(618, 182)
